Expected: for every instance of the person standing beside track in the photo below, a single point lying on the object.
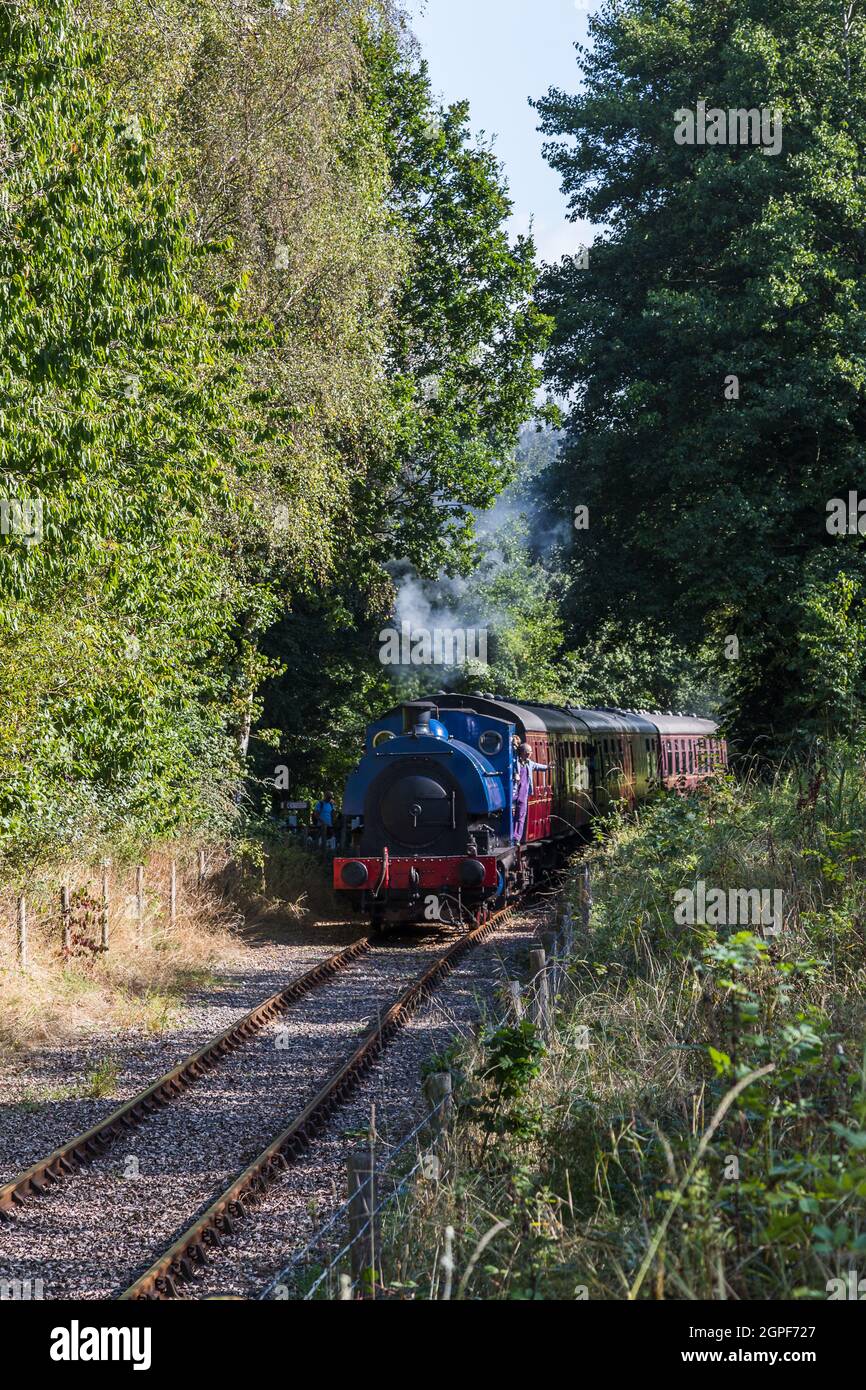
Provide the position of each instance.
(325, 815)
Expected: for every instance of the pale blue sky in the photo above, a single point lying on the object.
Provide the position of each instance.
(498, 53)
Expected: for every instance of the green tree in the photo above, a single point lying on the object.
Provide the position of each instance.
(466, 327)
(264, 111)
(460, 376)
(120, 418)
(708, 496)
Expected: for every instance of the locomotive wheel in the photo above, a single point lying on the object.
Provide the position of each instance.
(501, 899)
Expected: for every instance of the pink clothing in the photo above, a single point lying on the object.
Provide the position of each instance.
(521, 803)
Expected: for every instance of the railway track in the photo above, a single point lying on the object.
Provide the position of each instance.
(203, 1238)
(48, 1172)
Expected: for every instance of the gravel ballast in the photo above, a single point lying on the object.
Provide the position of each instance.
(103, 1226)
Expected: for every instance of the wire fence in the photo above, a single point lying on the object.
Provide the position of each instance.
(296, 1275)
(82, 909)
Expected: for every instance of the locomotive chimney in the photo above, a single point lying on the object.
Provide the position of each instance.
(416, 717)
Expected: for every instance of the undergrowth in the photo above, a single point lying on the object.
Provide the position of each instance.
(695, 1127)
(140, 983)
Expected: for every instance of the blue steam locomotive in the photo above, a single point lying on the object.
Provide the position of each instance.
(433, 806)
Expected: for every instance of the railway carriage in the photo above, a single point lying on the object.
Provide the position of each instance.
(432, 799)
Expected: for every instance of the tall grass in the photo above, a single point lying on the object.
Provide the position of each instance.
(141, 980)
(710, 1142)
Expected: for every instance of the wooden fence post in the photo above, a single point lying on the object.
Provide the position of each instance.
(539, 1008)
(172, 894)
(139, 904)
(361, 1175)
(567, 931)
(105, 901)
(514, 1000)
(447, 1264)
(66, 918)
(585, 898)
(550, 942)
(21, 944)
(437, 1093)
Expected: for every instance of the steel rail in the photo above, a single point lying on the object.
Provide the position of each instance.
(50, 1171)
(178, 1264)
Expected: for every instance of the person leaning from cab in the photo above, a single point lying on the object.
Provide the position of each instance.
(524, 787)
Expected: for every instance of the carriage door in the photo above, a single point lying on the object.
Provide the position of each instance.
(543, 751)
(598, 770)
(628, 790)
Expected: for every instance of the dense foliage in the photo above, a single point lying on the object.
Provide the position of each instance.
(719, 261)
(263, 335)
(121, 417)
(697, 1127)
(460, 379)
